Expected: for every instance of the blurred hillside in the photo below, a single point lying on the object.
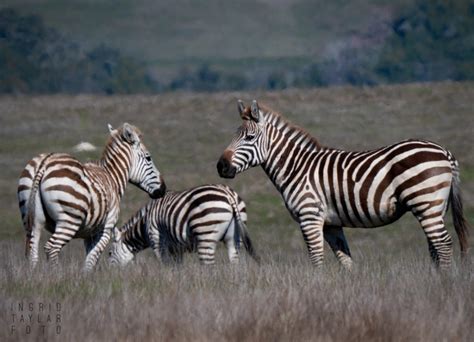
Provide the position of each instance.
(118, 46)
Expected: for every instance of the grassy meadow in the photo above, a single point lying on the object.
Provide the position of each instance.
(393, 293)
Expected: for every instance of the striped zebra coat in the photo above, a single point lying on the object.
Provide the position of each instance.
(326, 189)
(75, 200)
(185, 221)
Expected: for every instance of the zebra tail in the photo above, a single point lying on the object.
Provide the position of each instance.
(31, 208)
(242, 232)
(460, 224)
(249, 246)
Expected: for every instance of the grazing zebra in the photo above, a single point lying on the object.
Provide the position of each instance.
(75, 200)
(185, 220)
(326, 189)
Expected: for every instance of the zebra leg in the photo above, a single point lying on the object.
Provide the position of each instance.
(175, 254)
(33, 231)
(90, 242)
(63, 233)
(433, 253)
(164, 252)
(160, 252)
(178, 256)
(334, 236)
(157, 244)
(97, 248)
(229, 241)
(232, 251)
(33, 240)
(312, 229)
(206, 247)
(168, 252)
(439, 240)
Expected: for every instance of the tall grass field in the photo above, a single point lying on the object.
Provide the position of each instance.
(393, 293)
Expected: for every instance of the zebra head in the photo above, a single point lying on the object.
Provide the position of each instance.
(120, 253)
(143, 172)
(249, 145)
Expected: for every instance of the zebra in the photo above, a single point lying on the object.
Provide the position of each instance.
(75, 200)
(196, 218)
(325, 189)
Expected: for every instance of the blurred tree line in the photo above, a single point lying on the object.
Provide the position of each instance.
(433, 40)
(38, 59)
(428, 41)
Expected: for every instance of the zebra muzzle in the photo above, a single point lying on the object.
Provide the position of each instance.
(158, 193)
(225, 169)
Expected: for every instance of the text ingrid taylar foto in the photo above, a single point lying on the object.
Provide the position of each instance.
(37, 318)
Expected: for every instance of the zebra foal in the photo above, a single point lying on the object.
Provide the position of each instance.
(75, 200)
(326, 189)
(196, 218)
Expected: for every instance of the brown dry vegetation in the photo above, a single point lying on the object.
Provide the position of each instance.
(393, 293)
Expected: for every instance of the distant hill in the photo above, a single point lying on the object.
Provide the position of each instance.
(218, 45)
(218, 30)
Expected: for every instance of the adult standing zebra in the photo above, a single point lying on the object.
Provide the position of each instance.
(75, 200)
(196, 218)
(326, 189)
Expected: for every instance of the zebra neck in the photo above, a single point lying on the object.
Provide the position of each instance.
(116, 162)
(135, 232)
(286, 154)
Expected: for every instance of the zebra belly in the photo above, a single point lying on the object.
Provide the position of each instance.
(390, 211)
(82, 232)
(85, 231)
(178, 237)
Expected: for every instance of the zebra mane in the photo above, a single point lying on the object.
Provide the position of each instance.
(117, 135)
(289, 129)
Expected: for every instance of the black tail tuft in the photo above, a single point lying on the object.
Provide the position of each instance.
(31, 211)
(249, 248)
(241, 231)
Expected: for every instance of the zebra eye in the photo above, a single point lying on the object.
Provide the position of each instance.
(249, 137)
(148, 158)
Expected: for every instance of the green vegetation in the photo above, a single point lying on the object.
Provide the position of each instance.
(433, 40)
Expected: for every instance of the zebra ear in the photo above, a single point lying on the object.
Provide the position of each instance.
(111, 130)
(241, 107)
(255, 112)
(129, 134)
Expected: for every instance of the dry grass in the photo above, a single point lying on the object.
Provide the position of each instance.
(393, 294)
(283, 299)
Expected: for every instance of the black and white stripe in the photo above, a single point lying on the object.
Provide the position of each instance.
(326, 189)
(75, 200)
(197, 218)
